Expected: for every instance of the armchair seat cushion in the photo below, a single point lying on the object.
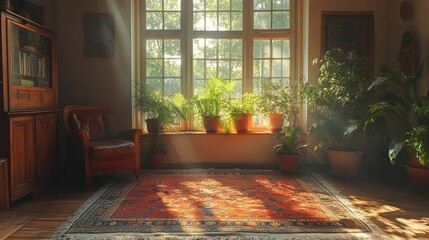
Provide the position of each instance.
(111, 149)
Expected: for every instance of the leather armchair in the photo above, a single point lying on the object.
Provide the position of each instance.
(93, 144)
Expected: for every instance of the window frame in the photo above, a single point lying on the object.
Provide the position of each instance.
(186, 36)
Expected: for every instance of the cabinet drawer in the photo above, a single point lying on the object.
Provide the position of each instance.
(27, 99)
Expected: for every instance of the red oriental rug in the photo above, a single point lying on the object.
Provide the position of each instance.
(217, 204)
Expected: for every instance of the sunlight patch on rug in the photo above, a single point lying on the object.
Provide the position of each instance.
(217, 204)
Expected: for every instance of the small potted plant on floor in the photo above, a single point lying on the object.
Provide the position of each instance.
(277, 100)
(288, 149)
(241, 111)
(211, 100)
(339, 96)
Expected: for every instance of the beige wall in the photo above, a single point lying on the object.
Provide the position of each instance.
(419, 24)
(84, 80)
(314, 32)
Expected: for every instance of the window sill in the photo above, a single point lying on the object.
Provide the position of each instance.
(214, 134)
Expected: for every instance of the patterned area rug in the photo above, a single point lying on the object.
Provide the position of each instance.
(217, 204)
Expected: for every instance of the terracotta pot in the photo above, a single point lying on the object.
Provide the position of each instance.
(288, 163)
(414, 160)
(418, 176)
(276, 122)
(211, 124)
(345, 163)
(157, 160)
(242, 124)
(152, 125)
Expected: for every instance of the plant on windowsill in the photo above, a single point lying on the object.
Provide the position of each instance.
(409, 110)
(339, 96)
(288, 149)
(211, 100)
(277, 101)
(241, 111)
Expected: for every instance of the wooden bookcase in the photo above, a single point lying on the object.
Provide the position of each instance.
(29, 114)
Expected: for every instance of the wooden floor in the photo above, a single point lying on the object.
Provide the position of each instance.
(397, 210)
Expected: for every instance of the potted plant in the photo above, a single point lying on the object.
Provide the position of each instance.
(288, 149)
(339, 96)
(409, 110)
(160, 112)
(241, 111)
(211, 100)
(276, 100)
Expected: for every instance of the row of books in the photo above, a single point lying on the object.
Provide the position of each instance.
(32, 65)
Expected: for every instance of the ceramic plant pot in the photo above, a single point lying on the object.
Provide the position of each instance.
(211, 124)
(242, 124)
(276, 122)
(288, 164)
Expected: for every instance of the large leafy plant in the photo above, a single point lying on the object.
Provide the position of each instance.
(290, 141)
(402, 103)
(339, 95)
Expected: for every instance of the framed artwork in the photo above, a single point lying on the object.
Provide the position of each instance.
(99, 35)
(349, 31)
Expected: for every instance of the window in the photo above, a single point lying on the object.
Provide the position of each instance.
(187, 42)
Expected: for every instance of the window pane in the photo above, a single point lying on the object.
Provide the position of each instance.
(211, 5)
(154, 83)
(276, 70)
(153, 5)
(172, 67)
(280, 20)
(211, 48)
(224, 5)
(237, 5)
(171, 5)
(171, 86)
(224, 21)
(199, 69)
(172, 49)
(154, 68)
(262, 4)
(224, 49)
(281, 4)
(211, 21)
(154, 20)
(198, 5)
(236, 21)
(199, 21)
(172, 20)
(153, 48)
(262, 20)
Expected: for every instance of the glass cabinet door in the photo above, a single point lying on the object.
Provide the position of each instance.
(30, 70)
(31, 58)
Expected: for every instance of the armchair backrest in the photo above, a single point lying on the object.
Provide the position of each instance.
(96, 120)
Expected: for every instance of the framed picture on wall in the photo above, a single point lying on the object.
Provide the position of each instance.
(99, 35)
(349, 31)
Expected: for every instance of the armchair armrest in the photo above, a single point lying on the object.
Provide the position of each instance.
(84, 137)
(131, 134)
